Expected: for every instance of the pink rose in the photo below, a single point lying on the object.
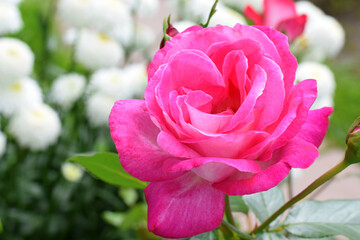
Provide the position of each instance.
(221, 116)
(280, 15)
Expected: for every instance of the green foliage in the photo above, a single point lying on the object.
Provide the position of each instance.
(1, 227)
(312, 219)
(270, 236)
(238, 205)
(347, 95)
(106, 166)
(264, 204)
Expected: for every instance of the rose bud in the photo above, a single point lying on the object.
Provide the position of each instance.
(352, 154)
(169, 32)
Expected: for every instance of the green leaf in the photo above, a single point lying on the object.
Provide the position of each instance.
(114, 218)
(264, 204)
(106, 166)
(313, 219)
(238, 205)
(1, 227)
(205, 236)
(271, 236)
(134, 217)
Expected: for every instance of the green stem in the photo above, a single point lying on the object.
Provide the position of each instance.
(317, 183)
(212, 12)
(228, 213)
(239, 233)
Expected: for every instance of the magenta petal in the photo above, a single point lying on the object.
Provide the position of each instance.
(252, 14)
(259, 182)
(316, 125)
(135, 136)
(297, 153)
(171, 145)
(275, 11)
(183, 207)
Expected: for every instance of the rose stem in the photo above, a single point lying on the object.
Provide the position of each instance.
(317, 183)
(228, 213)
(233, 229)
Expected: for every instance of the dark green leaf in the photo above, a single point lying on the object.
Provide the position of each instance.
(106, 166)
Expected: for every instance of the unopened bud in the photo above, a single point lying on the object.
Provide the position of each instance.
(352, 154)
(169, 32)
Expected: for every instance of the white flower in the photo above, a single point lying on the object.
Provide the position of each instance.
(323, 38)
(21, 94)
(70, 35)
(76, 13)
(2, 143)
(16, 59)
(136, 79)
(241, 4)
(226, 16)
(113, 18)
(15, 2)
(71, 172)
(35, 128)
(193, 10)
(111, 82)
(308, 8)
(325, 81)
(144, 37)
(95, 51)
(67, 89)
(98, 107)
(144, 8)
(183, 25)
(10, 18)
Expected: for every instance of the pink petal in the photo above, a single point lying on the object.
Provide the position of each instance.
(135, 136)
(287, 61)
(183, 207)
(316, 125)
(213, 169)
(293, 27)
(252, 14)
(275, 11)
(171, 145)
(297, 153)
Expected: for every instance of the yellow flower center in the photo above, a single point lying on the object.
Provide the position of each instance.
(16, 87)
(104, 38)
(38, 114)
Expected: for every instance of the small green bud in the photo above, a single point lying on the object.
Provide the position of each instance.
(352, 154)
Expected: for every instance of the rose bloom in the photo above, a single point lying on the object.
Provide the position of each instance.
(221, 115)
(279, 14)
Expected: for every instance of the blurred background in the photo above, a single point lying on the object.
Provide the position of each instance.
(63, 63)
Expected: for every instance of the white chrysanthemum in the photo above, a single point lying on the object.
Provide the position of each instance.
(21, 94)
(226, 16)
(144, 8)
(325, 81)
(35, 128)
(2, 143)
(136, 78)
(98, 107)
(194, 10)
(67, 89)
(12, 1)
(16, 59)
(323, 38)
(308, 8)
(113, 17)
(71, 172)
(70, 35)
(111, 82)
(10, 18)
(95, 51)
(241, 4)
(76, 13)
(144, 37)
(183, 25)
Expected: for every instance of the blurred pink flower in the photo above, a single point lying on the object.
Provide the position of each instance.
(280, 15)
(221, 116)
